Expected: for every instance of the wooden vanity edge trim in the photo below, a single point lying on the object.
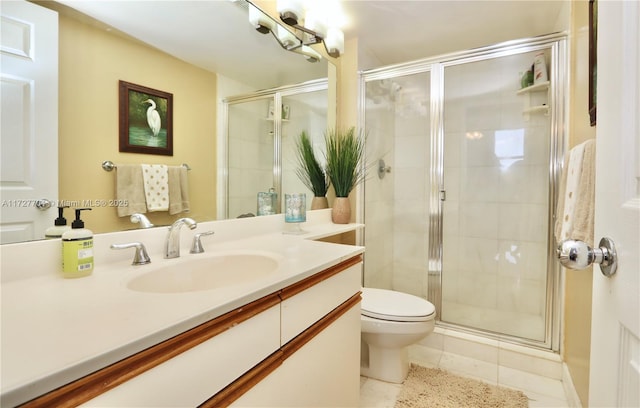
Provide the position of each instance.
(244, 383)
(313, 280)
(248, 380)
(306, 336)
(96, 383)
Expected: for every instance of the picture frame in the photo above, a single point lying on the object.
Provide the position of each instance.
(146, 120)
(593, 59)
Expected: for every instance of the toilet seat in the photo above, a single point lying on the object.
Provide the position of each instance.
(395, 306)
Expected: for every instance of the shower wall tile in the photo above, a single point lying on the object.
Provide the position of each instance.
(536, 146)
(480, 113)
(412, 125)
(478, 256)
(451, 254)
(511, 116)
(522, 296)
(240, 150)
(408, 184)
(450, 288)
(479, 152)
(452, 149)
(522, 260)
(409, 247)
(478, 289)
(523, 222)
(411, 153)
(479, 184)
(410, 278)
(480, 220)
(452, 183)
(450, 218)
(409, 217)
(524, 184)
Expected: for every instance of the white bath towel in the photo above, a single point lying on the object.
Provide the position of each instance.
(156, 186)
(576, 199)
(130, 190)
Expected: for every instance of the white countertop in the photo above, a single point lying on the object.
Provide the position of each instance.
(56, 330)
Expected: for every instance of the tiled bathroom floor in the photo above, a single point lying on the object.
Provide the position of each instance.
(542, 391)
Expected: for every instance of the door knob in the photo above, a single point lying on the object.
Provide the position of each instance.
(578, 255)
(43, 204)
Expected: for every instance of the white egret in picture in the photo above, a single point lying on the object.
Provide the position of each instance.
(153, 117)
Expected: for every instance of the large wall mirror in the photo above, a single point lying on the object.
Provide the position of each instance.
(201, 52)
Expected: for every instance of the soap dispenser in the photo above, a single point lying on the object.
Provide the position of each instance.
(59, 226)
(77, 249)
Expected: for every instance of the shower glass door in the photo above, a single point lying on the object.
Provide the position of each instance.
(398, 121)
(496, 176)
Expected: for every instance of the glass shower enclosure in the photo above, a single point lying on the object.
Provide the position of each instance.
(261, 133)
(464, 216)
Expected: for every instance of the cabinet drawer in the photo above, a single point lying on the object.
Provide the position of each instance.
(193, 376)
(334, 380)
(308, 306)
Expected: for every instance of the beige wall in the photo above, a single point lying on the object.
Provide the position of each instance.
(92, 60)
(577, 306)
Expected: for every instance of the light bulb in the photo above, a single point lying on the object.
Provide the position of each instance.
(316, 21)
(260, 21)
(287, 38)
(334, 42)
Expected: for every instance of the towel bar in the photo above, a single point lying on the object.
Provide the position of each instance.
(108, 165)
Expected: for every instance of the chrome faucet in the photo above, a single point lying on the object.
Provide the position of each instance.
(142, 219)
(172, 245)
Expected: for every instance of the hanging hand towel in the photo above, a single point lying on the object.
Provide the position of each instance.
(574, 214)
(130, 190)
(178, 190)
(584, 212)
(156, 186)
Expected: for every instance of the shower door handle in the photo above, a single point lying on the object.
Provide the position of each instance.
(578, 255)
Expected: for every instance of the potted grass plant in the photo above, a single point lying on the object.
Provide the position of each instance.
(345, 154)
(311, 172)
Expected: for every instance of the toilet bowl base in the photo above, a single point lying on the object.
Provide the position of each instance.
(386, 364)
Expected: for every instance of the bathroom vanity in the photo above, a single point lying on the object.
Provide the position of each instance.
(289, 337)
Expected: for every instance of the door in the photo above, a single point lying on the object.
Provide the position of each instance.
(615, 333)
(29, 132)
(498, 148)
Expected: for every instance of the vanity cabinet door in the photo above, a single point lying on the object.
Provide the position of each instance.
(302, 309)
(325, 372)
(192, 377)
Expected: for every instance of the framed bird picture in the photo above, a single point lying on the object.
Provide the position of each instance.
(146, 120)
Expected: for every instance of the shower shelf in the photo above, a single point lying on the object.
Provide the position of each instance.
(542, 86)
(537, 109)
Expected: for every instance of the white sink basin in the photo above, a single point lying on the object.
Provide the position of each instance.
(206, 272)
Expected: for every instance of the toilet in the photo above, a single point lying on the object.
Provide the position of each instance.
(390, 322)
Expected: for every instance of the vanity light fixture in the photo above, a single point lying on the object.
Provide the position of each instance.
(287, 40)
(314, 30)
(314, 23)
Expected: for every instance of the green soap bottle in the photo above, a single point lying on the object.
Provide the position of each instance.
(77, 249)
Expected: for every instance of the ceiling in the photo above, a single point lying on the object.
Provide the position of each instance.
(216, 34)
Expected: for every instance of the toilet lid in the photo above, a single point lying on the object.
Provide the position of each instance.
(396, 306)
